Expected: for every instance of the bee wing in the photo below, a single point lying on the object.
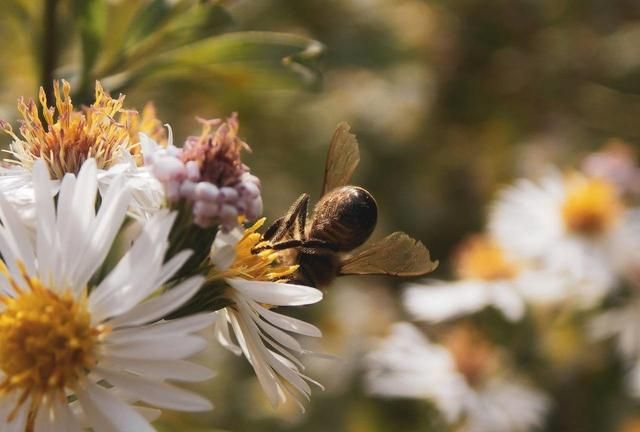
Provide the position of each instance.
(342, 159)
(395, 255)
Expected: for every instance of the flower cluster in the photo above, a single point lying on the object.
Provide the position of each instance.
(208, 173)
(91, 299)
(558, 252)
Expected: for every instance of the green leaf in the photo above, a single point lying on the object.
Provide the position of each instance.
(149, 18)
(91, 20)
(198, 22)
(255, 59)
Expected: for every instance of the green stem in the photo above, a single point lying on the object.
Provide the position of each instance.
(49, 46)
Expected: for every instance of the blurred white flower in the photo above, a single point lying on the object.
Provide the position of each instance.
(408, 365)
(261, 334)
(623, 324)
(570, 226)
(104, 345)
(487, 277)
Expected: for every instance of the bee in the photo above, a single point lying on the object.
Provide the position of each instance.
(342, 220)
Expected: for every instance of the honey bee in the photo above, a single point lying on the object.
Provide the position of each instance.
(343, 219)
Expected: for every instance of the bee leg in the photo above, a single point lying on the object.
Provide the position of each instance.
(273, 229)
(295, 219)
(285, 244)
(315, 244)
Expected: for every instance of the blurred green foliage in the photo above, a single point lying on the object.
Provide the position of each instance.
(449, 99)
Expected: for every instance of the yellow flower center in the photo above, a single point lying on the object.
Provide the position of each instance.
(475, 356)
(591, 206)
(263, 266)
(481, 258)
(147, 123)
(47, 342)
(69, 137)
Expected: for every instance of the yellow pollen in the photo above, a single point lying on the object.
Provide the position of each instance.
(146, 123)
(68, 137)
(591, 206)
(481, 258)
(47, 343)
(263, 266)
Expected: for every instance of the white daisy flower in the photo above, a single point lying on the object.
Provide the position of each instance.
(262, 334)
(461, 381)
(104, 131)
(570, 226)
(64, 338)
(487, 276)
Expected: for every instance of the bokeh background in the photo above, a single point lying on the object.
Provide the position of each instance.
(449, 99)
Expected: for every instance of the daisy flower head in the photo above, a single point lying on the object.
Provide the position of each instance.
(487, 276)
(68, 137)
(208, 174)
(568, 225)
(256, 284)
(460, 377)
(79, 352)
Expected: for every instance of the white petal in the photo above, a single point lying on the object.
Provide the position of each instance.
(437, 301)
(46, 236)
(16, 236)
(158, 349)
(164, 329)
(106, 225)
(277, 294)
(56, 418)
(179, 370)
(108, 414)
(221, 332)
(7, 404)
(288, 323)
(160, 306)
(125, 287)
(156, 393)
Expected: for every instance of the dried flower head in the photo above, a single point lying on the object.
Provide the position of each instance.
(69, 137)
(209, 173)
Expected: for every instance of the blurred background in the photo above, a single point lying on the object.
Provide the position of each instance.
(449, 100)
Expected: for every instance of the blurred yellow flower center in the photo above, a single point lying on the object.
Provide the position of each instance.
(47, 342)
(591, 206)
(263, 266)
(475, 356)
(481, 258)
(630, 425)
(69, 137)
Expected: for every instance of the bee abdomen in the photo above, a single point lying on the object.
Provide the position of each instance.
(345, 216)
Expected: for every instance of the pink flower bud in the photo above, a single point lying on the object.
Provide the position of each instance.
(206, 191)
(193, 171)
(254, 211)
(228, 213)
(202, 208)
(187, 190)
(168, 168)
(228, 194)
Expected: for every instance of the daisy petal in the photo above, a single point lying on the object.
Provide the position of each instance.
(156, 393)
(277, 294)
(107, 413)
